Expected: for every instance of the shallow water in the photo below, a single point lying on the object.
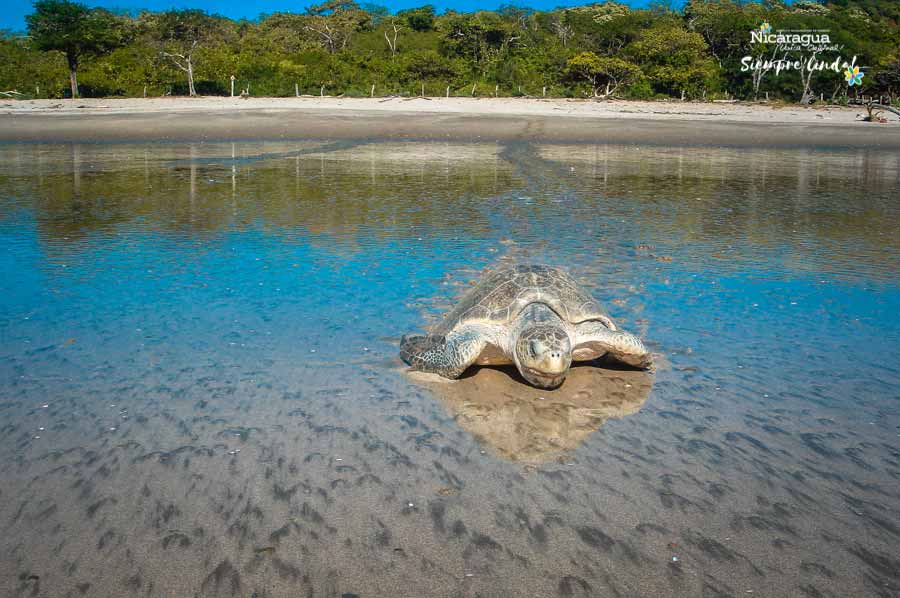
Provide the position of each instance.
(200, 394)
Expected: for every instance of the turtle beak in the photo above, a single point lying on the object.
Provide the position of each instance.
(543, 379)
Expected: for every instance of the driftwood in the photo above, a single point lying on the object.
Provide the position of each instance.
(874, 110)
(11, 93)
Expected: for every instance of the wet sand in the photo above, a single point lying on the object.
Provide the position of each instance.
(531, 425)
(201, 394)
(456, 119)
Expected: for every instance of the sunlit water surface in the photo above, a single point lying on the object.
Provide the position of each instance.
(200, 394)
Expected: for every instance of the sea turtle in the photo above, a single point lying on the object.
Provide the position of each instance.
(534, 316)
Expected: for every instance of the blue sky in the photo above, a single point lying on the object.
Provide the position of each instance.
(13, 18)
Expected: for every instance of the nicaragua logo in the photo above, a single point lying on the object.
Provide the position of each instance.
(800, 50)
(765, 35)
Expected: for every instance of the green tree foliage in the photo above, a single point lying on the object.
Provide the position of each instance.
(340, 47)
(482, 38)
(184, 37)
(676, 61)
(419, 19)
(28, 71)
(610, 71)
(887, 74)
(334, 22)
(75, 30)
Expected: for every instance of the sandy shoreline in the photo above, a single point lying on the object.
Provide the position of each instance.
(756, 113)
(504, 119)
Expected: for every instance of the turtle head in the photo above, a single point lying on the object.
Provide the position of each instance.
(543, 355)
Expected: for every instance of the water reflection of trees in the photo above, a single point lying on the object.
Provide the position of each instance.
(801, 203)
(807, 202)
(338, 194)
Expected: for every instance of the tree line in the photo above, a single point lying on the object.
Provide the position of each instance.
(600, 50)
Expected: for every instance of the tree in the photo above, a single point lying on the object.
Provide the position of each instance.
(26, 69)
(562, 29)
(335, 21)
(419, 19)
(611, 71)
(724, 25)
(603, 48)
(392, 44)
(181, 33)
(75, 30)
(606, 28)
(887, 73)
(377, 12)
(428, 66)
(285, 32)
(519, 16)
(331, 7)
(483, 37)
(675, 61)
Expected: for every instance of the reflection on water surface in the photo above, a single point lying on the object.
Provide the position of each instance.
(201, 394)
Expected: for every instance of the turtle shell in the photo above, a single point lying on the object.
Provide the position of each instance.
(501, 295)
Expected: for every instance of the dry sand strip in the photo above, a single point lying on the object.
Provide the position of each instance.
(465, 119)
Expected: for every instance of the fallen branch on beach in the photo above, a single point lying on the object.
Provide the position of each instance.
(11, 93)
(875, 109)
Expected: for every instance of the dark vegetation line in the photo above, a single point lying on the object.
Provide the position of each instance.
(339, 47)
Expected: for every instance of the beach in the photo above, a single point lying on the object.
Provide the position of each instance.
(201, 392)
(450, 119)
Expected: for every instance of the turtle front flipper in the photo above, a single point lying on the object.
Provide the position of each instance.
(448, 356)
(593, 339)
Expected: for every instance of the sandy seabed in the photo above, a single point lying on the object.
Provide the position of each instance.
(201, 394)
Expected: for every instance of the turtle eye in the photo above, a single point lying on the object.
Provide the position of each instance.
(537, 348)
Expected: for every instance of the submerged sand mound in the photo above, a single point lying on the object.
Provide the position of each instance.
(523, 423)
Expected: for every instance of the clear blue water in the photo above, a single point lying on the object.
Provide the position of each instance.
(200, 392)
